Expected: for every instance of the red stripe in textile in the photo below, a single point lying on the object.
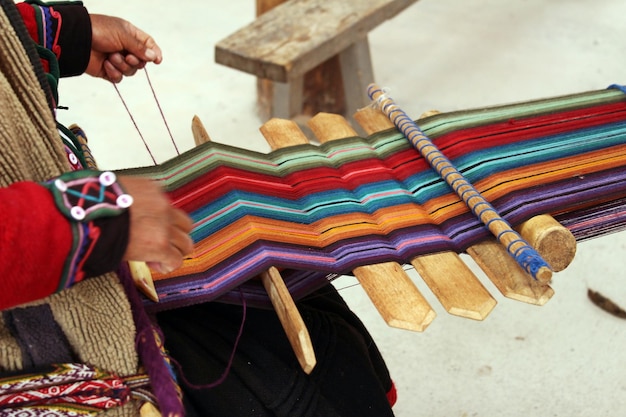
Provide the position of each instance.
(458, 143)
(398, 166)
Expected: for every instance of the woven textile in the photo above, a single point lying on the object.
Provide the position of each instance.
(319, 211)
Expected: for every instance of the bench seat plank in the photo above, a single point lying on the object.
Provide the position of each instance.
(296, 36)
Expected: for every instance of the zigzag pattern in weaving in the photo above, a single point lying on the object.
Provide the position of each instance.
(318, 211)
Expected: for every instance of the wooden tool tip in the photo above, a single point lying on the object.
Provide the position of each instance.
(143, 279)
(544, 275)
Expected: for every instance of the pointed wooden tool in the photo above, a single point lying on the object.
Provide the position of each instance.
(283, 303)
(143, 279)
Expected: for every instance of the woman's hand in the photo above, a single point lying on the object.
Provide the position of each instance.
(159, 232)
(118, 48)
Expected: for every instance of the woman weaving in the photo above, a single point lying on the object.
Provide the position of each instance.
(63, 304)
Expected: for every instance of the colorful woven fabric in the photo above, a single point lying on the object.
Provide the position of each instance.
(65, 390)
(320, 211)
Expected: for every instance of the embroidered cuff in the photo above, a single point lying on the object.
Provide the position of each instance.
(110, 247)
(96, 206)
(65, 29)
(86, 195)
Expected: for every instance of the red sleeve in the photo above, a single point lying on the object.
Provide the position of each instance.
(28, 16)
(35, 241)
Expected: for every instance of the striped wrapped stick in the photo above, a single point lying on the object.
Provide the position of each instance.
(517, 247)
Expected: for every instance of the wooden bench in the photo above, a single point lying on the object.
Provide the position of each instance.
(310, 56)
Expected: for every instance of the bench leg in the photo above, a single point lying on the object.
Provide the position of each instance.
(357, 73)
(287, 98)
(336, 86)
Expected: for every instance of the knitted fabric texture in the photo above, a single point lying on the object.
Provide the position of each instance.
(95, 314)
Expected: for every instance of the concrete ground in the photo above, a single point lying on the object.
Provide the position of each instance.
(566, 358)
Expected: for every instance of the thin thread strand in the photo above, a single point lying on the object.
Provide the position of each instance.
(231, 359)
(161, 111)
(134, 123)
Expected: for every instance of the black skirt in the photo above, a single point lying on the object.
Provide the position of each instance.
(265, 379)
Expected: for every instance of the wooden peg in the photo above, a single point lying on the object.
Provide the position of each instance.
(277, 291)
(200, 135)
(506, 274)
(454, 284)
(279, 134)
(391, 290)
(290, 317)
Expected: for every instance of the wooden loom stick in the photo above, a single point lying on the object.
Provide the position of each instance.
(388, 286)
(515, 244)
(505, 273)
(200, 135)
(283, 303)
(449, 278)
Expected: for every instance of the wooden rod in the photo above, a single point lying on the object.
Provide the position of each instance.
(290, 317)
(277, 291)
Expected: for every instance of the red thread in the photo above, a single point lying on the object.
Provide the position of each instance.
(160, 111)
(231, 359)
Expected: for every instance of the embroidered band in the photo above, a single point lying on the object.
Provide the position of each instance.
(86, 195)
